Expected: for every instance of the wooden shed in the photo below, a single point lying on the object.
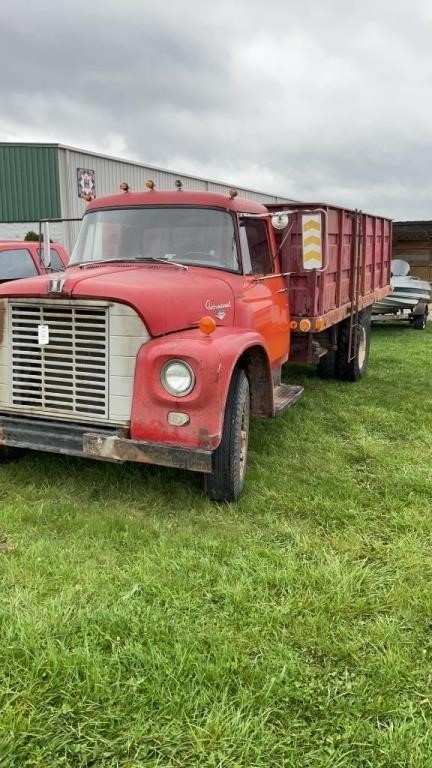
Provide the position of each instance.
(412, 241)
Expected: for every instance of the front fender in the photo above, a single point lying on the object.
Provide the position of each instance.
(213, 359)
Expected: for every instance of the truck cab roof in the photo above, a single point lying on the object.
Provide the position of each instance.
(177, 197)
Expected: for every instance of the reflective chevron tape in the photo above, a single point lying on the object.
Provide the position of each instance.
(312, 241)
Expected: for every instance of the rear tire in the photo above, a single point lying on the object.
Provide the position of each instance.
(327, 366)
(355, 369)
(226, 481)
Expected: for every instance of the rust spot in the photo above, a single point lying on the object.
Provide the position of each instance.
(204, 438)
(113, 448)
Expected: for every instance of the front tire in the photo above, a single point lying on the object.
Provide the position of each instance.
(355, 369)
(226, 481)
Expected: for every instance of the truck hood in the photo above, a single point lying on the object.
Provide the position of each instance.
(166, 297)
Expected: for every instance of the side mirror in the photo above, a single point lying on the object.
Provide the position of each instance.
(46, 247)
(279, 221)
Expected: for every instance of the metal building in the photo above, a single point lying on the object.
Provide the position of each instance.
(51, 180)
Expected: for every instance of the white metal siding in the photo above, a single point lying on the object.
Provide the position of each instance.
(18, 231)
(110, 172)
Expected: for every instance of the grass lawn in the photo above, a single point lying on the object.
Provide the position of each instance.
(142, 625)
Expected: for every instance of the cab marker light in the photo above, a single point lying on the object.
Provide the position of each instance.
(293, 325)
(305, 325)
(320, 324)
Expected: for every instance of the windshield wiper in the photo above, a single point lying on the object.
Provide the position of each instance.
(158, 259)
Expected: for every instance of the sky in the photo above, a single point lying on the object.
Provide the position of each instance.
(313, 101)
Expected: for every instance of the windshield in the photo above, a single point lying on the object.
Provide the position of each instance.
(194, 236)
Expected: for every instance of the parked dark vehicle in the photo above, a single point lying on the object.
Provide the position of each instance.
(20, 258)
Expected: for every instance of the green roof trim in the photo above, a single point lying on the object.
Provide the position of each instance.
(29, 183)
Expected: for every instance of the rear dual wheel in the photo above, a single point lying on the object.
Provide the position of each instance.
(355, 369)
(336, 364)
(327, 365)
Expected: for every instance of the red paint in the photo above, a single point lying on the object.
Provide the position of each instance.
(213, 359)
(314, 294)
(154, 197)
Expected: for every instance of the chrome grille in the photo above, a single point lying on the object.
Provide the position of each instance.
(70, 373)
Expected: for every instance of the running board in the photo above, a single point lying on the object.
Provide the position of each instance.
(284, 396)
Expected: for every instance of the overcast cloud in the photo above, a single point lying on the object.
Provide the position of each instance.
(304, 99)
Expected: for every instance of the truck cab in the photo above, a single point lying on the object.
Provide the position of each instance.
(169, 326)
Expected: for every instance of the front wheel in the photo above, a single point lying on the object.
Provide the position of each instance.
(226, 481)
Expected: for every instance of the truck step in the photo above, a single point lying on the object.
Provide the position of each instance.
(284, 396)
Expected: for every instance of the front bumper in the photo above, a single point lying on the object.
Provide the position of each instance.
(106, 443)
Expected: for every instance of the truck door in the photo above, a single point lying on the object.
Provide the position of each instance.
(264, 288)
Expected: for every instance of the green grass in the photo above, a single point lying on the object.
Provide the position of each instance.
(142, 625)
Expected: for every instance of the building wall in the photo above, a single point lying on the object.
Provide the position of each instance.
(412, 242)
(29, 188)
(40, 181)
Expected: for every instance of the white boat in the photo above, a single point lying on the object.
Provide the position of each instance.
(407, 292)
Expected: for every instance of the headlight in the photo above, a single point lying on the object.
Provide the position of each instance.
(177, 378)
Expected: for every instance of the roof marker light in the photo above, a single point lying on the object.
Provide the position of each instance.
(124, 186)
(179, 184)
(150, 184)
(233, 193)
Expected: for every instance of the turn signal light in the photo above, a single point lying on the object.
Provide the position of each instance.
(293, 325)
(305, 325)
(207, 325)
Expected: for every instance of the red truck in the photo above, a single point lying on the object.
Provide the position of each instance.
(173, 320)
(22, 258)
